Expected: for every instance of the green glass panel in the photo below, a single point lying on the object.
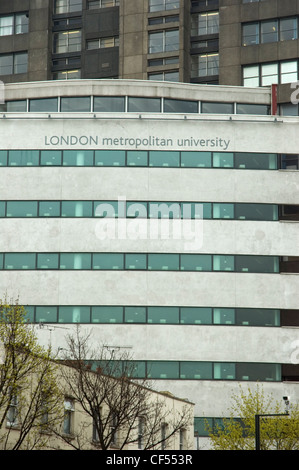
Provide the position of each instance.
(163, 262)
(137, 158)
(224, 316)
(21, 209)
(163, 369)
(19, 261)
(29, 313)
(164, 159)
(167, 315)
(51, 158)
(46, 314)
(223, 160)
(47, 261)
(78, 314)
(165, 210)
(75, 261)
(137, 209)
(193, 262)
(256, 211)
(110, 158)
(196, 159)
(23, 158)
(196, 315)
(223, 211)
(49, 209)
(196, 370)
(135, 261)
(109, 314)
(223, 263)
(257, 264)
(78, 158)
(135, 314)
(2, 209)
(76, 209)
(3, 158)
(224, 371)
(107, 261)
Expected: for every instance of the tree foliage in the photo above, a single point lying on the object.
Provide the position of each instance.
(30, 399)
(276, 432)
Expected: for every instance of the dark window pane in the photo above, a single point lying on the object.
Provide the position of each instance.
(146, 105)
(180, 106)
(75, 104)
(196, 262)
(256, 161)
(255, 372)
(257, 317)
(19, 106)
(196, 370)
(256, 211)
(217, 108)
(43, 105)
(109, 104)
(257, 264)
(258, 109)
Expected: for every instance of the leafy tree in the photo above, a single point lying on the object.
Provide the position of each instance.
(30, 399)
(276, 432)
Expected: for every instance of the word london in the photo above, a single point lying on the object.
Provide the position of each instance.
(150, 141)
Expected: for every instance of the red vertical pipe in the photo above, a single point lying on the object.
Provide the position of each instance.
(274, 100)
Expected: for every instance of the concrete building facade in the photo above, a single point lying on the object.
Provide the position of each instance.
(204, 302)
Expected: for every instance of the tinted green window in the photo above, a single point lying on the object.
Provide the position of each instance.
(19, 106)
(136, 261)
(164, 210)
(47, 261)
(76, 209)
(135, 314)
(75, 104)
(29, 313)
(202, 426)
(164, 159)
(110, 209)
(163, 262)
(224, 316)
(196, 159)
(258, 109)
(2, 209)
(108, 261)
(108, 314)
(135, 369)
(256, 211)
(49, 209)
(3, 157)
(137, 158)
(217, 108)
(75, 261)
(110, 158)
(23, 158)
(1, 260)
(224, 371)
(109, 104)
(196, 210)
(196, 262)
(196, 370)
(223, 211)
(180, 106)
(256, 161)
(223, 160)
(74, 314)
(223, 263)
(51, 157)
(78, 158)
(19, 261)
(196, 315)
(169, 315)
(163, 370)
(21, 209)
(46, 314)
(43, 105)
(137, 209)
(257, 264)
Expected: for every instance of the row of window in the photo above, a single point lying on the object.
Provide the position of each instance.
(197, 370)
(271, 73)
(14, 23)
(153, 315)
(140, 261)
(262, 32)
(131, 104)
(140, 209)
(144, 158)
